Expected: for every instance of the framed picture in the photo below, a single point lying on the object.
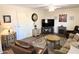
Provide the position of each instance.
(7, 18)
(71, 17)
(63, 18)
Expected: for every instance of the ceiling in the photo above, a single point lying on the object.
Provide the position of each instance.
(45, 6)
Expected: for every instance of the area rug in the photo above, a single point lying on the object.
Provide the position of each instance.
(38, 41)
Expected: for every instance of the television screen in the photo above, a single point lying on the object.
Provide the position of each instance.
(50, 22)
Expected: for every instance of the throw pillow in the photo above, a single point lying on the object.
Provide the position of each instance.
(76, 37)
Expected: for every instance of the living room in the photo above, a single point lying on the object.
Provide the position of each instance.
(18, 19)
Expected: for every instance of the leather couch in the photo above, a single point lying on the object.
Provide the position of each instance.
(76, 30)
(21, 47)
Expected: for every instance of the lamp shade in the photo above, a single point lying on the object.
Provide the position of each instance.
(7, 30)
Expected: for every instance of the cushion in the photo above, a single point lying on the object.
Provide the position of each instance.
(76, 37)
(71, 35)
(22, 45)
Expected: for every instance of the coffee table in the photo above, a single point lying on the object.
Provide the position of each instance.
(53, 38)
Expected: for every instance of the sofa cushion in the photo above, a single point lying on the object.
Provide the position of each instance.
(76, 37)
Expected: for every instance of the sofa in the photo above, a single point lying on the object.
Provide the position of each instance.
(21, 47)
(67, 45)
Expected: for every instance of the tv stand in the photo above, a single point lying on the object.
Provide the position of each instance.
(47, 30)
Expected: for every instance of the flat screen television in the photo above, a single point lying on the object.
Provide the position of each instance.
(50, 23)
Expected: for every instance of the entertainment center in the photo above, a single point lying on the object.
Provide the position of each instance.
(47, 26)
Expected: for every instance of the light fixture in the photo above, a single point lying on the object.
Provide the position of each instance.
(52, 7)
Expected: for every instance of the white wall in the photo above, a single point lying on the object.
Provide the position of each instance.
(70, 23)
(23, 25)
(21, 19)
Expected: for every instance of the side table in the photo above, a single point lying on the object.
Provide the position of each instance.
(8, 39)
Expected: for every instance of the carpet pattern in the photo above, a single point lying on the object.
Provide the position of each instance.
(38, 41)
